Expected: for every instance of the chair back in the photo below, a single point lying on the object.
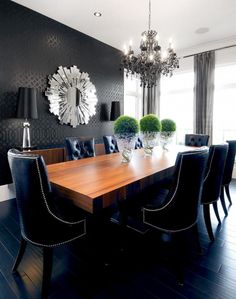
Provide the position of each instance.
(180, 208)
(214, 173)
(138, 143)
(32, 187)
(78, 148)
(110, 144)
(196, 140)
(229, 164)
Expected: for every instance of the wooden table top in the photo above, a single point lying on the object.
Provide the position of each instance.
(91, 178)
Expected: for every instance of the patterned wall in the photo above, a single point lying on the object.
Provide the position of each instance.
(32, 47)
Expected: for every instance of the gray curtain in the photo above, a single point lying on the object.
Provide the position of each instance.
(204, 74)
(151, 99)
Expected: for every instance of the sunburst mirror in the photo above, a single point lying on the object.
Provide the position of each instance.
(72, 96)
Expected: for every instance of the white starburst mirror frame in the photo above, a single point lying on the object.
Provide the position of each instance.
(72, 96)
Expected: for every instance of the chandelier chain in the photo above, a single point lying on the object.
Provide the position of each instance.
(149, 17)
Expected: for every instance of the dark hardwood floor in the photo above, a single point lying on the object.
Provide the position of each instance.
(95, 267)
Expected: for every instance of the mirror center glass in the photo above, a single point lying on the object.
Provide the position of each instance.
(74, 96)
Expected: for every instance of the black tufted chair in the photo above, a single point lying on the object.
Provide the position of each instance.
(79, 148)
(40, 220)
(227, 177)
(212, 183)
(138, 143)
(176, 210)
(196, 140)
(110, 144)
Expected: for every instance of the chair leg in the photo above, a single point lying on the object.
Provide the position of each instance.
(216, 211)
(19, 255)
(47, 270)
(228, 194)
(206, 212)
(222, 199)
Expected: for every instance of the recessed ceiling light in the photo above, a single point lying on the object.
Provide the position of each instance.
(202, 30)
(98, 14)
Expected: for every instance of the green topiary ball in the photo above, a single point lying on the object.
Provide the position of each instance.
(126, 125)
(150, 123)
(168, 125)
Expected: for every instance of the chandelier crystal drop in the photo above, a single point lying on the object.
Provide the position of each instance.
(150, 62)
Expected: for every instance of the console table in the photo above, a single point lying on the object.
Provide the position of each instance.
(58, 155)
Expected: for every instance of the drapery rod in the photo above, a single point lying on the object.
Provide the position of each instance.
(222, 48)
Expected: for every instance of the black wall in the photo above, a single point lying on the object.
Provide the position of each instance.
(32, 47)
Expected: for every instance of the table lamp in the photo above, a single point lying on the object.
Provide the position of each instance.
(27, 109)
(115, 110)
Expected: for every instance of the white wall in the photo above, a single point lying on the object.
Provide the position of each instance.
(7, 192)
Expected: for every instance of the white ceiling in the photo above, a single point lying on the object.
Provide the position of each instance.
(123, 20)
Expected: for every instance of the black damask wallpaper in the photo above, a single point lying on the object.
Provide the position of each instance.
(32, 47)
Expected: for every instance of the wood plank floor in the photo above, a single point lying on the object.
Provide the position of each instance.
(94, 267)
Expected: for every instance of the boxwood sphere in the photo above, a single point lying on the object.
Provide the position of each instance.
(150, 123)
(168, 125)
(126, 125)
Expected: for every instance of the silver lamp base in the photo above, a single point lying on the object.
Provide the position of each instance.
(26, 135)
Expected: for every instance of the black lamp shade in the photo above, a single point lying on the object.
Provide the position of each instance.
(27, 103)
(115, 110)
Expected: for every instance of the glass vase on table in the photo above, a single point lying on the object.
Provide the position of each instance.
(126, 144)
(166, 139)
(150, 140)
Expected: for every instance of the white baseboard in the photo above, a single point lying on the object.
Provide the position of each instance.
(7, 192)
(234, 172)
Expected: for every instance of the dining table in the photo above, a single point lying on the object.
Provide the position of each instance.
(96, 183)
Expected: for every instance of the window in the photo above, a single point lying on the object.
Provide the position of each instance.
(132, 97)
(224, 124)
(177, 100)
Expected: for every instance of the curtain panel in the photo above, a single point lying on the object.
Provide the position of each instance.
(151, 99)
(204, 74)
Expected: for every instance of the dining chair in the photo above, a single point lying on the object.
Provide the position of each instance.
(174, 210)
(110, 144)
(42, 223)
(196, 140)
(227, 177)
(212, 183)
(78, 148)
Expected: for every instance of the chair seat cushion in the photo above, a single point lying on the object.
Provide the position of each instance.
(151, 198)
(62, 224)
(156, 199)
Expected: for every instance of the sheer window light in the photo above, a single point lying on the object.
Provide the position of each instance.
(132, 97)
(224, 124)
(177, 102)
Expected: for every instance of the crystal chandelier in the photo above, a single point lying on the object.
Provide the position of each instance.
(150, 62)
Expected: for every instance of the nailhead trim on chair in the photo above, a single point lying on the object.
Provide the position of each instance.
(153, 210)
(45, 200)
(35, 157)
